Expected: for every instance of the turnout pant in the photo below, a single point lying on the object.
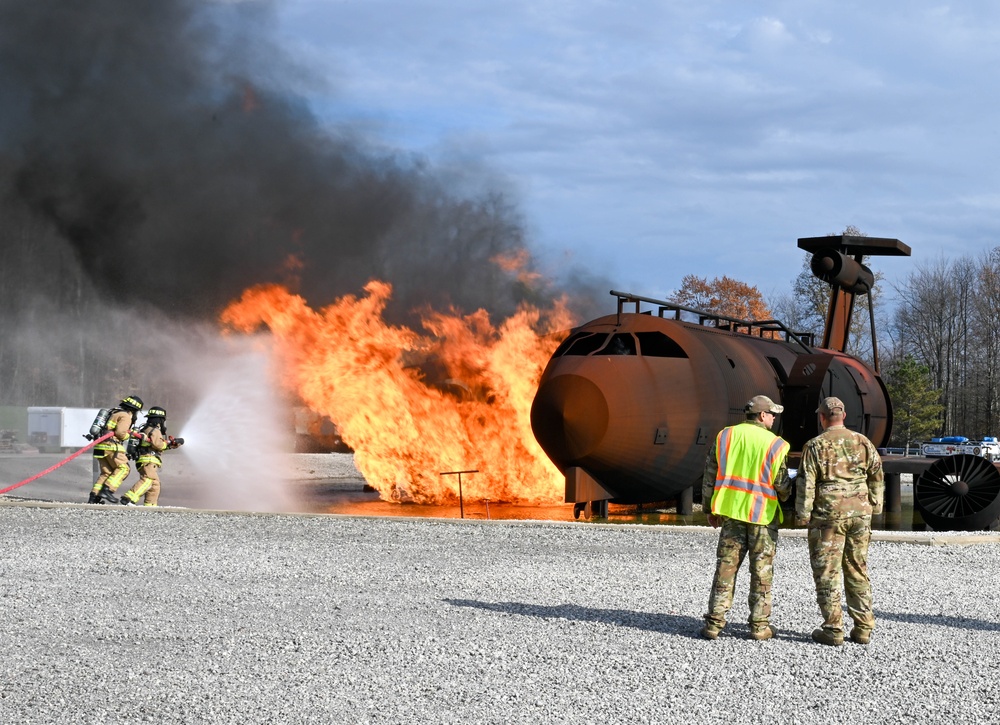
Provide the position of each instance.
(114, 469)
(148, 485)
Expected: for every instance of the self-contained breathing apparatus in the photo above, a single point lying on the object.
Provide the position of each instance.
(155, 418)
(132, 403)
(135, 440)
(99, 426)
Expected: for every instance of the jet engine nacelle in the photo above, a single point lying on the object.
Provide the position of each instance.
(840, 270)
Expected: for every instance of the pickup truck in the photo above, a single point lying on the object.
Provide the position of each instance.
(988, 447)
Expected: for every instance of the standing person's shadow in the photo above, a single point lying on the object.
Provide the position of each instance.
(652, 621)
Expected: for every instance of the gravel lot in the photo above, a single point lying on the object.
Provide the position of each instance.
(113, 615)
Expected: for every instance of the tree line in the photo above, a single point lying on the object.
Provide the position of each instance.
(938, 353)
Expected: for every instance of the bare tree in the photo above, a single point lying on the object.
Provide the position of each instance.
(930, 323)
(985, 304)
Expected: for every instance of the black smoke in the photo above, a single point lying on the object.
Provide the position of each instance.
(157, 158)
(163, 140)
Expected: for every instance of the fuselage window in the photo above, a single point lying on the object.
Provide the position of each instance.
(586, 344)
(620, 344)
(656, 344)
(565, 344)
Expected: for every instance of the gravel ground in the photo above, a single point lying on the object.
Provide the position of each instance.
(113, 615)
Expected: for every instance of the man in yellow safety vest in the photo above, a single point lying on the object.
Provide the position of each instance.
(745, 476)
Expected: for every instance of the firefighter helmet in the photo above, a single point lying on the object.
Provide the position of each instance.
(156, 411)
(132, 402)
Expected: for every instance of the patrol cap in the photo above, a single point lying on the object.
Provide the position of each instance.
(763, 404)
(830, 405)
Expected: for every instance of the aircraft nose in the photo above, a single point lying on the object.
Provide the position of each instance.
(569, 417)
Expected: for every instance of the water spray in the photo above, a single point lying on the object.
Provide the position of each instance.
(237, 439)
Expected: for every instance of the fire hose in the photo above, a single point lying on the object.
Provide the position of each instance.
(66, 460)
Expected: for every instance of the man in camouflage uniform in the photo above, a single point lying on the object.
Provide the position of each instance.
(841, 486)
(745, 475)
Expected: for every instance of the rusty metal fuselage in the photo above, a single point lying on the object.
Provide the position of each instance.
(634, 401)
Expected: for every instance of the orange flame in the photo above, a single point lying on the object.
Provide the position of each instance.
(413, 406)
(516, 262)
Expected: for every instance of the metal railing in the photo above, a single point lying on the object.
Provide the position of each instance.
(769, 329)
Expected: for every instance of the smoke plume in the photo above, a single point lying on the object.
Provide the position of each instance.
(157, 158)
(163, 141)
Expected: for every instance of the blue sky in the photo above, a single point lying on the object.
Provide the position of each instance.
(646, 140)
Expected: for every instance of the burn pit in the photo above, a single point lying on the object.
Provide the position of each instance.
(346, 362)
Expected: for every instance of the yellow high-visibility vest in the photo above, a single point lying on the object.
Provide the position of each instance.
(749, 458)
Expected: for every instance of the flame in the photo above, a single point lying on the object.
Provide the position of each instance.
(415, 405)
(516, 262)
(250, 101)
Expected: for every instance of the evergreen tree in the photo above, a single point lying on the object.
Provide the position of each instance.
(916, 402)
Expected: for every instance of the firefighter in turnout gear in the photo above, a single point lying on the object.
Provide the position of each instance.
(152, 440)
(745, 475)
(110, 454)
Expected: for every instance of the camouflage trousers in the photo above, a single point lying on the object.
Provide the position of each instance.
(842, 546)
(737, 539)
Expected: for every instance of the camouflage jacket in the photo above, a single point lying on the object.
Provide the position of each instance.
(840, 477)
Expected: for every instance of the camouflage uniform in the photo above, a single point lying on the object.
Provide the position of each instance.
(110, 454)
(736, 540)
(840, 487)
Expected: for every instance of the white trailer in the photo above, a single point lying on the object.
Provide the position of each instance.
(51, 428)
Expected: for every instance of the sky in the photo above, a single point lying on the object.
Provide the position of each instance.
(650, 139)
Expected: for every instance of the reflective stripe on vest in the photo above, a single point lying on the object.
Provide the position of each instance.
(749, 456)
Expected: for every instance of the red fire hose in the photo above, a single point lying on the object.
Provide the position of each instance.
(50, 469)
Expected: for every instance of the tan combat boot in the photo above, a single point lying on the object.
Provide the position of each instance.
(709, 632)
(825, 637)
(762, 634)
(861, 636)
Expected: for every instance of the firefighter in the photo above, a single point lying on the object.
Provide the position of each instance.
(110, 454)
(153, 440)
